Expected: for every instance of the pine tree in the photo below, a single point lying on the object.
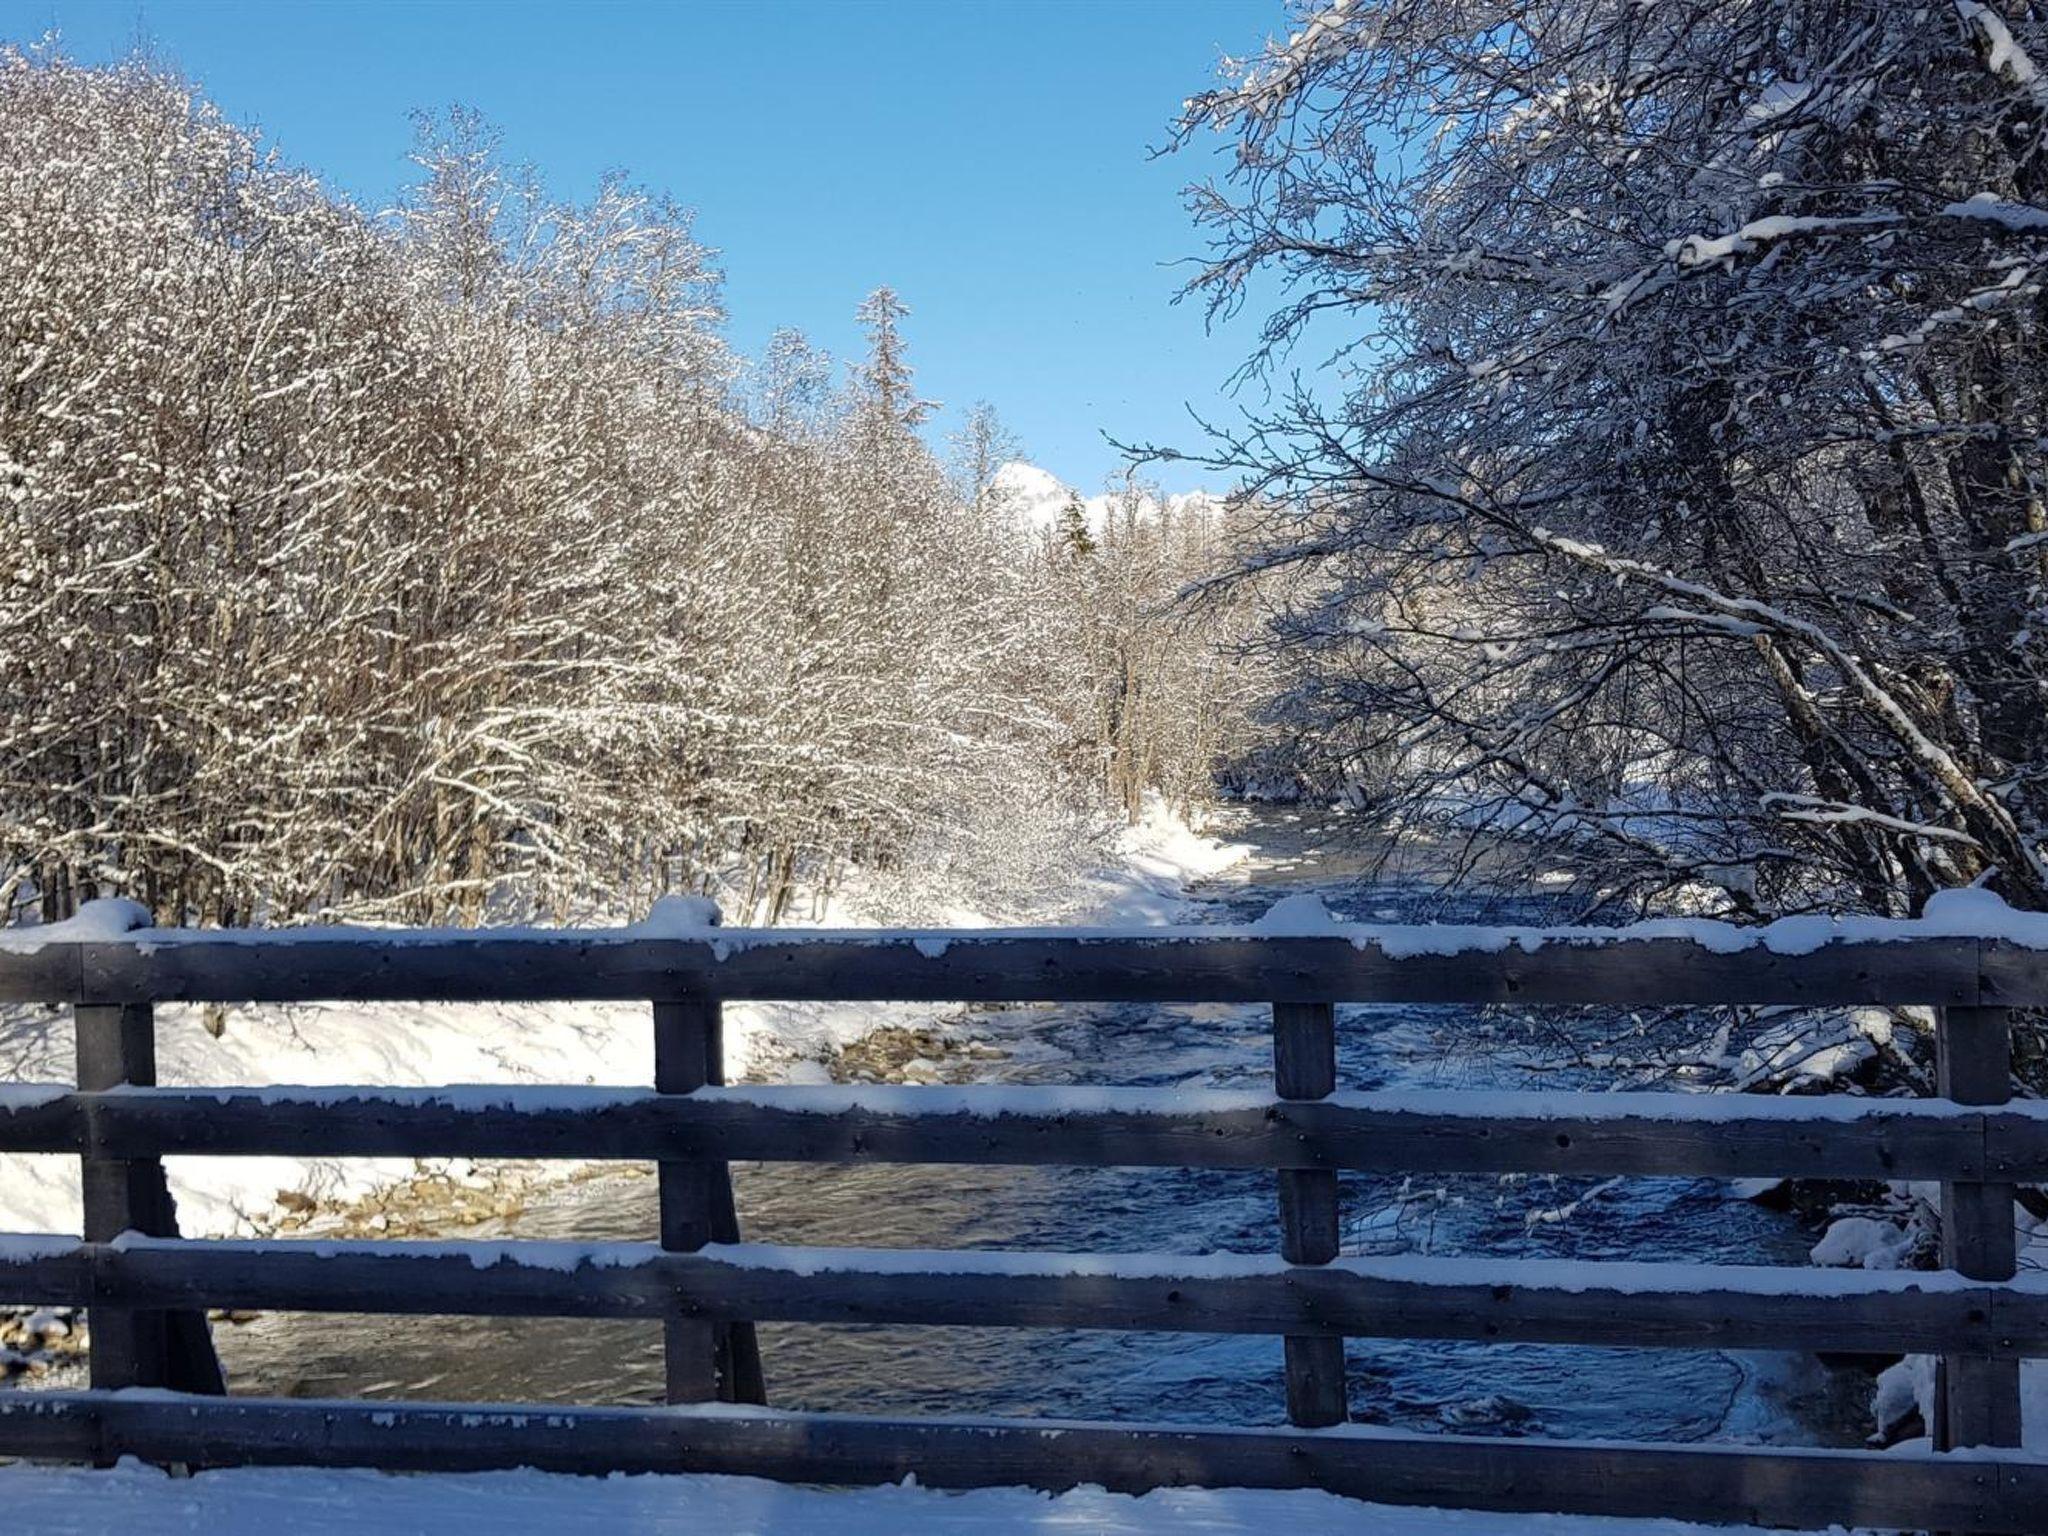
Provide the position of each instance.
(1070, 530)
(980, 449)
(886, 373)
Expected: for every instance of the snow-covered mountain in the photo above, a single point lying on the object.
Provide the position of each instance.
(1036, 497)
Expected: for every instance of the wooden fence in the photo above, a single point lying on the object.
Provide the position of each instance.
(146, 1288)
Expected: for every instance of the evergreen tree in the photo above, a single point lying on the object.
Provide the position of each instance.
(1070, 531)
(886, 373)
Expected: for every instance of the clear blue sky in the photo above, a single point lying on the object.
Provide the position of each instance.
(990, 161)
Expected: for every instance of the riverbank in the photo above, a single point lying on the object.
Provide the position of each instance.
(1141, 880)
(1301, 868)
(1418, 1384)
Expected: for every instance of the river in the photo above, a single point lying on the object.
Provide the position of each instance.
(1657, 1395)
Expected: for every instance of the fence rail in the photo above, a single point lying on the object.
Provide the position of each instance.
(147, 1288)
(995, 965)
(1502, 1301)
(1396, 1132)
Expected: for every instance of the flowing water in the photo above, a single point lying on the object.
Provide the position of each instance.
(1520, 1389)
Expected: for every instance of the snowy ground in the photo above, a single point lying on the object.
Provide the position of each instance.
(419, 1044)
(261, 1501)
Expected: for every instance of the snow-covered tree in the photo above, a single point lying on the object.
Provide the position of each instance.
(981, 448)
(447, 563)
(886, 375)
(1676, 496)
(1158, 695)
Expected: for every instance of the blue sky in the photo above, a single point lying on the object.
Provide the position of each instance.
(990, 161)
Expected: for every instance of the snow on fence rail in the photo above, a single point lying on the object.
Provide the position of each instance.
(147, 1288)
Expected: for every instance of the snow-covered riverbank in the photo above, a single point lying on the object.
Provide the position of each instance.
(1142, 882)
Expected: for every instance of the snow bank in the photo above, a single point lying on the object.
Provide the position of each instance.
(407, 1044)
(252, 1501)
(1864, 1242)
(1809, 1049)
(318, 1045)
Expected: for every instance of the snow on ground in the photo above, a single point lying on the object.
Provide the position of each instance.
(399, 1044)
(1907, 1387)
(262, 1501)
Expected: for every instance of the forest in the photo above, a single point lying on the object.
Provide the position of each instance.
(446, 563)
(1658, 433)
(1646, 498)
(1590, 721)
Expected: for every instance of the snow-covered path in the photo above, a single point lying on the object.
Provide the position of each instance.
(263, 1501)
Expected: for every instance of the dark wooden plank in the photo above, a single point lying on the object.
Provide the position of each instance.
(989, 965)
(1305, 1067)
(1973, 1056)
(1977, 1398)
(2010, 975)
(685, 1033)
(1499, 1301)
(1803, 1488)
(48, 973)
(117, 1045)
(739, 1348)
(1401, 1132)
(697, 1206)
(48, 1269)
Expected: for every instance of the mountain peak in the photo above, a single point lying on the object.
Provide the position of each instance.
(1036, 497)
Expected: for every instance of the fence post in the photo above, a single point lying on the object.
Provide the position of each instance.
(115, 1045)
(1305, 1067)
(705, 1361)
(1976, 1400)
